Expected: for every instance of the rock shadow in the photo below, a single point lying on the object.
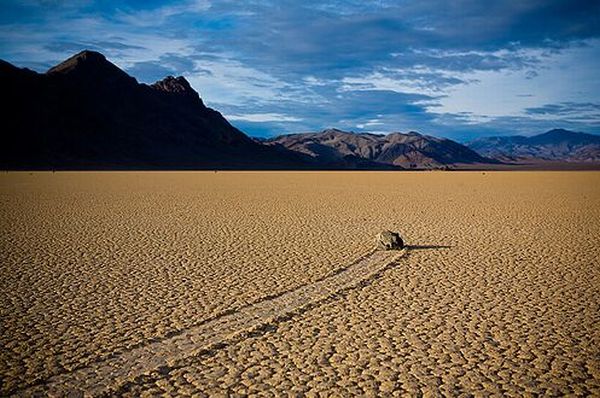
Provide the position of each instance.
(427, 247)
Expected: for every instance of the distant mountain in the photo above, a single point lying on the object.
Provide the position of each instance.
(86, 113)
(410, 150)
(554, 145)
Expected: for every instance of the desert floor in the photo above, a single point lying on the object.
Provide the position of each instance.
(266, 282)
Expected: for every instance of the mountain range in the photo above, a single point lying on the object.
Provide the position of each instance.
(86, 113)
(411, 150)
(554, 145)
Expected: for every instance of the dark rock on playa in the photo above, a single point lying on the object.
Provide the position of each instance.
(388, 240)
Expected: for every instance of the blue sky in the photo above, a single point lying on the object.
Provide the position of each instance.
(459, 69)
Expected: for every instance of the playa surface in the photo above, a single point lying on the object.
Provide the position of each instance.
(126, 283)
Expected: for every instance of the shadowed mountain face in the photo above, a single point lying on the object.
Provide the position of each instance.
(410, 150)
(554, 145)
(86, 113)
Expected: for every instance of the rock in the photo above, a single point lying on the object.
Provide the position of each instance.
(388, 240)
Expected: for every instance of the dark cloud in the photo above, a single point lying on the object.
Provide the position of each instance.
(530, 74)
(466, 61)
(565, 109)
(299, 35)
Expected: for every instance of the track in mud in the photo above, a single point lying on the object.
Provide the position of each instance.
(103, 376)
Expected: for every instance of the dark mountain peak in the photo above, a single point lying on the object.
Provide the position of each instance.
(89, 56)
(557, 136)
(555, 133)
(92, 68)
(173, 84)
(558, 131)
(178, 87)
(85, 59)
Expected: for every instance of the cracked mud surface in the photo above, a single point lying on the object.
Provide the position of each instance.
(499, 292)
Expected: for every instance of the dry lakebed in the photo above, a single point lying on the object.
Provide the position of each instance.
(268, 283)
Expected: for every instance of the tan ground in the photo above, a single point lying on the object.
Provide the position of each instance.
(248, 282)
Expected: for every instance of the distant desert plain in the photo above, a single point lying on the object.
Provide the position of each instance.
(237, 283)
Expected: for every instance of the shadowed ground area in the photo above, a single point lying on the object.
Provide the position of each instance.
(498, 290)
(427, 247)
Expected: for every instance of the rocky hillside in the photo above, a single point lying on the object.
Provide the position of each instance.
(410, 150)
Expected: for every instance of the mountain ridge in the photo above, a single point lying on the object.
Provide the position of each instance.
(87, 113)
(407, 150)
(553, 145)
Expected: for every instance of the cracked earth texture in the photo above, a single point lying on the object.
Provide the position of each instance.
(266, 283)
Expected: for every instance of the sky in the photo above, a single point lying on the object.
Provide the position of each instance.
(459, 69)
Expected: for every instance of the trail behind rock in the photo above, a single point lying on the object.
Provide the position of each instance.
(105, 375)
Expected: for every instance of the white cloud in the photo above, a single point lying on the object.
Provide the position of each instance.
(370, 123)
(313, 81)
(413, 81)
(158, 16)
(231, 82)
(481, 95)
(570, 75)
